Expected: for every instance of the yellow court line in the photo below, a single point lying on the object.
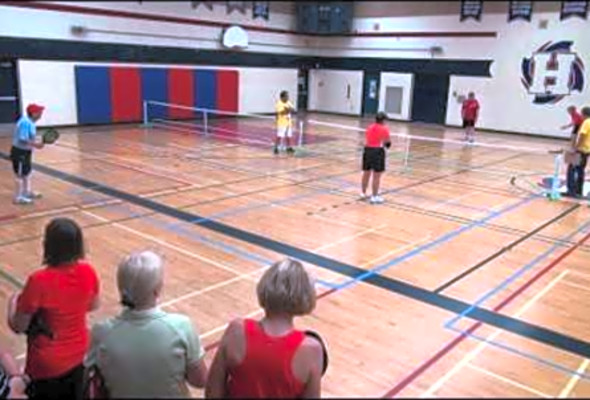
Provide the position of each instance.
(567, 389)
(481, 346)
(509, 381)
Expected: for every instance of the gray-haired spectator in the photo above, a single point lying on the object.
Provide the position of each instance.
(144, 351)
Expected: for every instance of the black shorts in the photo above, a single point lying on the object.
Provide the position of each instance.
(374, 159)
(21, 161)
(467, 123)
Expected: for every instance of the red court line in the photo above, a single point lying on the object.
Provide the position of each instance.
(452, 344)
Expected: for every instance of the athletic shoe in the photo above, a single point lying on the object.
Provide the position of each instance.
(21, 200)
(33, 195)
(362, 197)
(290, 150)
(276, 151)
(376, 200)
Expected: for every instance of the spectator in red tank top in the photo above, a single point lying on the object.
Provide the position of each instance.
(470, 112)
(52, 309)
(270, 358)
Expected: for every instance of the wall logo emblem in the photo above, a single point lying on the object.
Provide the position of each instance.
(553, 72)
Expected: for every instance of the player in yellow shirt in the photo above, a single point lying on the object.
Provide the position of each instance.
(583, 148)
(284, 109)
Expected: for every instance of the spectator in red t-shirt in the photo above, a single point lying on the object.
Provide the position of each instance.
(52, 309)
(469, 113)
(270, 358)
(376, 137)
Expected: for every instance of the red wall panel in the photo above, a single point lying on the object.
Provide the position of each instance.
(228, 90)
(181, 88)
(126, 105)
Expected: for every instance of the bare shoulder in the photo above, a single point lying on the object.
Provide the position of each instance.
(312, 348)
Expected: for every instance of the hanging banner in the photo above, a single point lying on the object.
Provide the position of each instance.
(471, 9)
(520, 10)
(207, 4)
(574, 9)
(236, 5)
(260, 9)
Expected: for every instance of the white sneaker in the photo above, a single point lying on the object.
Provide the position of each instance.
(22, 200)
(33, 195)
(362, 197)
(376, 200)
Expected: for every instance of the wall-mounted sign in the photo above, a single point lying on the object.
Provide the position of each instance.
(553, 72)
(260, 9)
(574, 9)
(471, 9)
(520, 10)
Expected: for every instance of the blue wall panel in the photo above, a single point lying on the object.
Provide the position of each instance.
(93, 94)
(154, 87)
(205, 89)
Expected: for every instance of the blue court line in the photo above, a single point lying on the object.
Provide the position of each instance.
(524, 354)
(504, 284)
(427, 246)
(401, 288)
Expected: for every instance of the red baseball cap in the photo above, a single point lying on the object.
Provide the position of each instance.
(34, 108)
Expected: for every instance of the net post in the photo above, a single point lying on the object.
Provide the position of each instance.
(300, 139)
(554, 193)
(407, 153)
(145, 114)
(206, 122)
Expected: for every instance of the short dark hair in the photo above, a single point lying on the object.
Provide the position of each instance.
(380, 117)
(63, 243)
(283, 93)
(586, 111)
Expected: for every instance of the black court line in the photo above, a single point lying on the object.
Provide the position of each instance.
(504, 249)
(513, 325)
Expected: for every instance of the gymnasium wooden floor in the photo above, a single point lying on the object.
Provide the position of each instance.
(461, 284)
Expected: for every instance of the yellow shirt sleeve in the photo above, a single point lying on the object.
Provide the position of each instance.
(584, 137)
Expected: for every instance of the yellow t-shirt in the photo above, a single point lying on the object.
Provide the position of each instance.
(283, 120)
(584, 137)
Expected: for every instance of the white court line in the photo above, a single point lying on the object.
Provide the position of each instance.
(509, 381)
(165, 244)
(565, 392)
(575, 285)
(348, 238)
(482, 345)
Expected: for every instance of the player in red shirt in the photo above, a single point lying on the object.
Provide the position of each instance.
(52, 309)
(270, 358)
(376, 138)
(469, 113)
(576, 120)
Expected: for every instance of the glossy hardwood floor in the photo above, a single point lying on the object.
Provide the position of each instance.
(466, 282)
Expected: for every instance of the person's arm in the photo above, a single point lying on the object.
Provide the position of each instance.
(17, 321)
(27, 137)
(196, 369)
(570, 125)
(95, 303)
(313, 354)
(218, 374)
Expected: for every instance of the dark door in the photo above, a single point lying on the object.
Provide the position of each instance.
(9, 108)
(429, 103)
(371, 83)
(302, 89)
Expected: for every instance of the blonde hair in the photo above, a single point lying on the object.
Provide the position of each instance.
(139, 275)
(286, 288)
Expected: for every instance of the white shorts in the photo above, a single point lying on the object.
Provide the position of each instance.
(286, 131)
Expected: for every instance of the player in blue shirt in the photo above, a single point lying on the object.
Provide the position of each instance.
(23, 143)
